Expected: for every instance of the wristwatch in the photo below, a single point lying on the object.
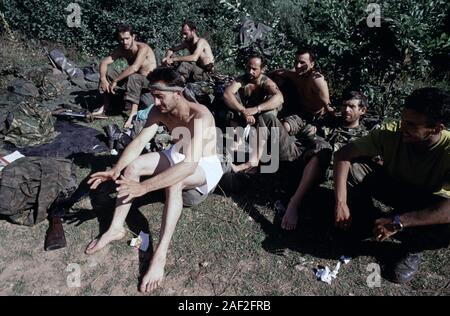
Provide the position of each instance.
(397, 223)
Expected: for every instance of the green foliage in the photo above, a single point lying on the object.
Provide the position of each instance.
(387, 62)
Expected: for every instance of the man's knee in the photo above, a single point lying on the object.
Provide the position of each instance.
(133, 170)
(193, 198)
(268, 119)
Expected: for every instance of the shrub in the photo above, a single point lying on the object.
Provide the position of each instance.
(411, 46)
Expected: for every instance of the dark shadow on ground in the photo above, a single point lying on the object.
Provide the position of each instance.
(315, 233)
(91, 100)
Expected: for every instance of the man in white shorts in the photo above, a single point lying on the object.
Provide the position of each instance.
(188, 171)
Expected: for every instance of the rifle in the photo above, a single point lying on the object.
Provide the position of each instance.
(88, 116)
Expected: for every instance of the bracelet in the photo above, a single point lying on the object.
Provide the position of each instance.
(258, 109)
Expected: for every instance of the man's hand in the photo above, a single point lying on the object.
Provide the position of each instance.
(104, 86)
(250, 111)
(383, 229)
(168, 61)
(113, 87)
(250, 119)
(129, 189)
(343, 218)
(100, 177)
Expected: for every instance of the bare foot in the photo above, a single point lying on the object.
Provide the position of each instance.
(245, 167)
(154, 276)
(99, 243)
(99, 111)
(128, 124)
(290, 218)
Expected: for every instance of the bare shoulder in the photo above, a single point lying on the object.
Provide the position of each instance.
(203, 42)
(154, 117)
(144, 46)
(203, 113)
(270, 83)
(318, 80)
(317, 76)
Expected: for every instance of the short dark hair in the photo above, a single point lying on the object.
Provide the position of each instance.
(302, 51)
(261, 57)
(348, 95)
(167, 75)
(122, 28)
(433, 102)
(190, 24)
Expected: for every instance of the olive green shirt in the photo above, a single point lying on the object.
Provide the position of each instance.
(428, 170)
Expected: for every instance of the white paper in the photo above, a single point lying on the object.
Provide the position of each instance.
(145, 241)
(10, 158)
(13, 157)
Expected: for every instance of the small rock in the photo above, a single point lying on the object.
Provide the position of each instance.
(300, 267)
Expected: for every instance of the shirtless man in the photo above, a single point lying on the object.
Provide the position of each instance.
(188, 171)
(141, 61)
(199, 63)
(259, 98)
(311, 87)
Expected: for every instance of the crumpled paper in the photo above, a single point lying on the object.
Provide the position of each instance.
(324, 274)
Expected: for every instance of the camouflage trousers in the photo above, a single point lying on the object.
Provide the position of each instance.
(31, 184)
(290, 147)
(133, 85)
(193, 73)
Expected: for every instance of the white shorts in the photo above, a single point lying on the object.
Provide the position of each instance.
(210, 165)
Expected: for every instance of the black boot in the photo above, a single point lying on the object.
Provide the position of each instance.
(55, 238)
(406, 268)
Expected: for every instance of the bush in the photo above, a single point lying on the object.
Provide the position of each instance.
(410, 48)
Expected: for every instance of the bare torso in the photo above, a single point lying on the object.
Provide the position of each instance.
(206, 56)
(149, 63)
(305, 88)
(253, 94)
(199, 114)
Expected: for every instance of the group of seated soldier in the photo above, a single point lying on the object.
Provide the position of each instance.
(412, 172)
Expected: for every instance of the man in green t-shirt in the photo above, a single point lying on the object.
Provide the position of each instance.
(414, 179)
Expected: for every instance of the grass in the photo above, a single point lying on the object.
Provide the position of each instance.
(229, 245)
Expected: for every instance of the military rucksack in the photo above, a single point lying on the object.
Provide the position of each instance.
(29, 125)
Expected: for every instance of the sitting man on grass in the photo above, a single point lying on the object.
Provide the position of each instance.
(141, 61)
(199, 64)
(414, 180)
(254, 98)
(188, 171)
(339, 131)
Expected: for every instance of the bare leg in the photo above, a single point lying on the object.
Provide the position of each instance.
(102, 109)
(134, 110)
(145, 165)
(310, 176)
(255, 153)
(172, 212)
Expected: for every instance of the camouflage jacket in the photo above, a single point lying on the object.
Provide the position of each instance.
(339, 136)
(30, 185)
(29, 125)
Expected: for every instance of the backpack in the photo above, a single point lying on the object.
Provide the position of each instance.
(29, 125)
